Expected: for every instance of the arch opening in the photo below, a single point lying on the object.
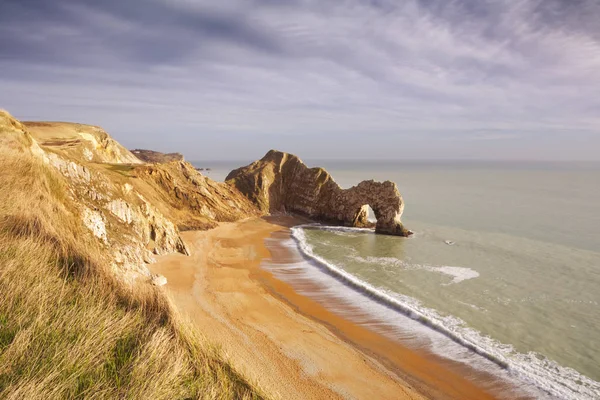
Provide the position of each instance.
(364, 217)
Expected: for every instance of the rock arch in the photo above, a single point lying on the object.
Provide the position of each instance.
(281, 182)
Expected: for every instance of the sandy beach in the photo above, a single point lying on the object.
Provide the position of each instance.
(290, 345)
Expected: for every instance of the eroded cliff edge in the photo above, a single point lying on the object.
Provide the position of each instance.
(134, 209)
(281, 182)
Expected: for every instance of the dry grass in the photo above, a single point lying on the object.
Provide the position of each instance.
(68, 330)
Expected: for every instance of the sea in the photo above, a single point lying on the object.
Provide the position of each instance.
(502, 272)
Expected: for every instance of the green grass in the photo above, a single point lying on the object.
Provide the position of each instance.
(123, 169)
(68, 328)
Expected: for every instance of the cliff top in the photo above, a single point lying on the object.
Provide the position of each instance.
(81, 142)
(151, 156)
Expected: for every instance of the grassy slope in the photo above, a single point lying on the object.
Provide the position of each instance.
(67, 328)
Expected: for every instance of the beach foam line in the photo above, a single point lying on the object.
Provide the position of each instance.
(531, 368)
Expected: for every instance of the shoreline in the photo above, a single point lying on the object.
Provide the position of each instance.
(436, 376)
(303, 349)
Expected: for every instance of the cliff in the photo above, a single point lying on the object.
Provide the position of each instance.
(135, 210)
(151, 156)
(281, 182)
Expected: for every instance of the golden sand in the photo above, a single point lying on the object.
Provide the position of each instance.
(288, 344)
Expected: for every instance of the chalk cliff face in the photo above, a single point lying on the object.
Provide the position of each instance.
(281, 182)
(134, 209)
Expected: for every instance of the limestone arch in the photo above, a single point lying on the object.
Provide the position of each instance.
(282, 182)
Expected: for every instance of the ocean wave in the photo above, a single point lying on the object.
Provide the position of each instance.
(346, 229)
(532, 368)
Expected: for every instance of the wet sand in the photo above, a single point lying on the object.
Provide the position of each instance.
(290, 345)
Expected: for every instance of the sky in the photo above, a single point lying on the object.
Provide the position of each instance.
(339, 79)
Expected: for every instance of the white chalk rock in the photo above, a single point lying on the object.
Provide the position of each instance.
(158, 280)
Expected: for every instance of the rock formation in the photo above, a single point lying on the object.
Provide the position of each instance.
(281, 182)
(151, 156)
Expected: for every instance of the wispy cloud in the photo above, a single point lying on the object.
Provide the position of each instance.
(494, 136)
(405, 73)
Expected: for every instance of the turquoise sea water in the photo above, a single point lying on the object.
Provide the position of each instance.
(505, 258)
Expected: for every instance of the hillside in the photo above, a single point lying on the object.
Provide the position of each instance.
(135, 209)
(80, 217)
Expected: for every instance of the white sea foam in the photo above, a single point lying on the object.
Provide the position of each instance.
(340, 228)
(524, 369)
(458, 274)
